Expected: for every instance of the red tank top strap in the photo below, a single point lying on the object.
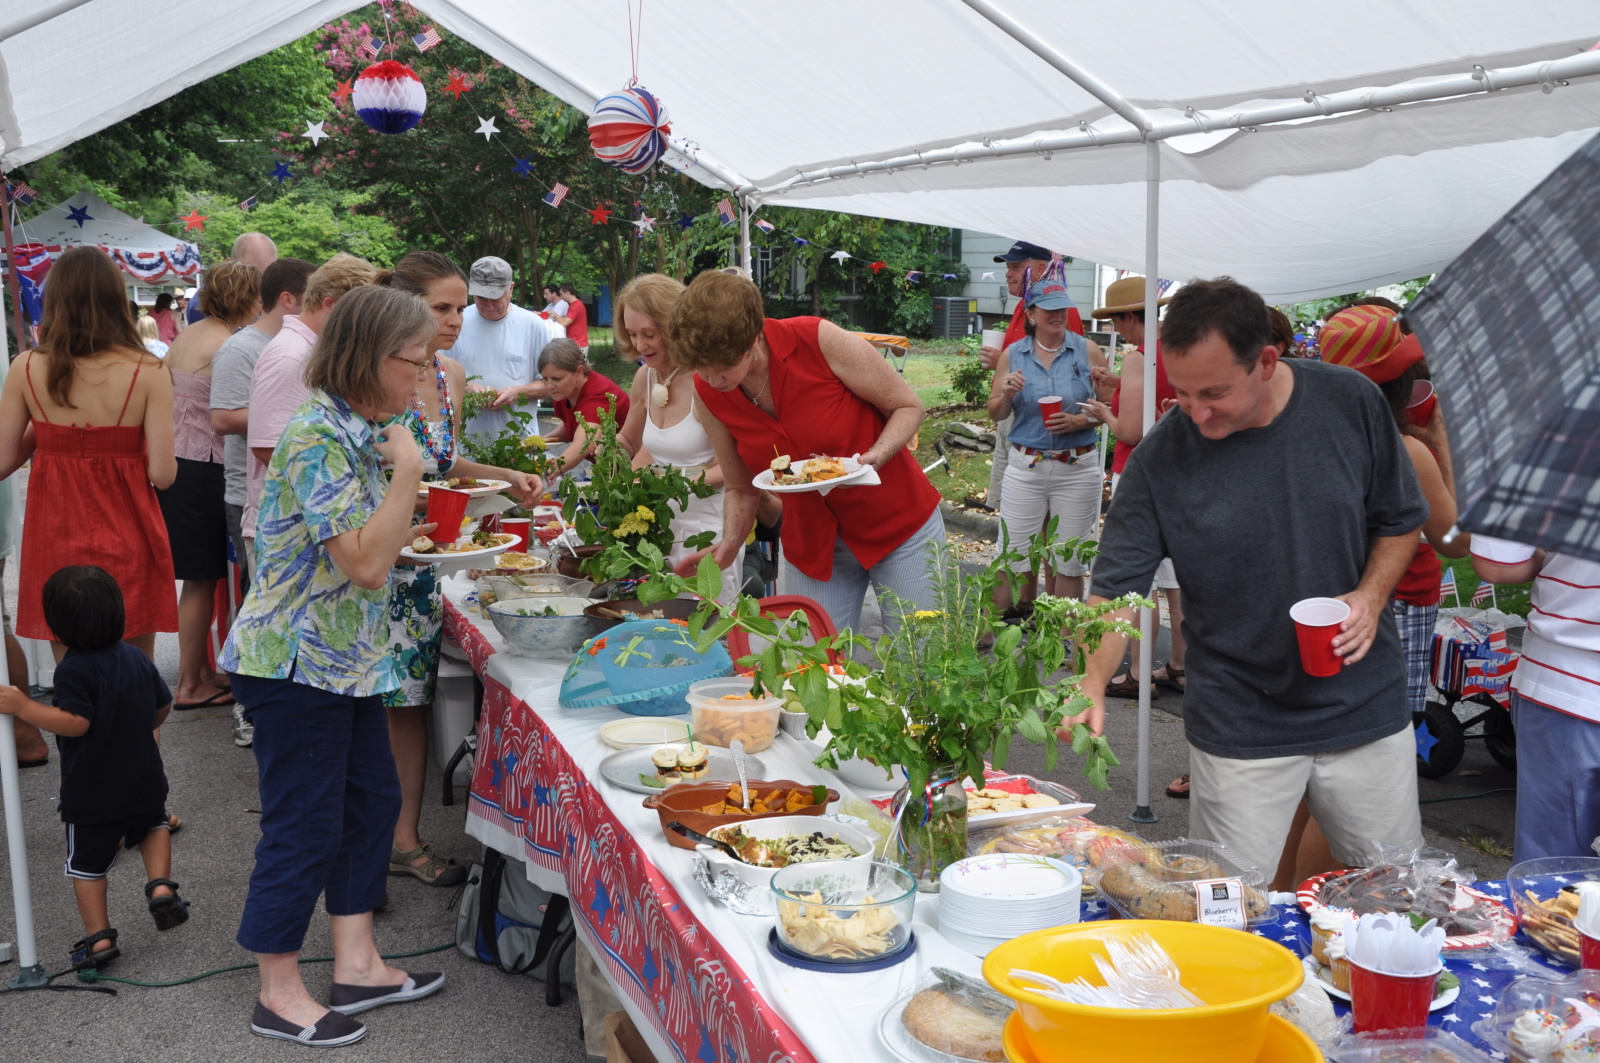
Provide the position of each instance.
(27, 370)
(131, 385)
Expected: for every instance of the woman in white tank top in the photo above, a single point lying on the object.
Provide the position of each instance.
(661, 428)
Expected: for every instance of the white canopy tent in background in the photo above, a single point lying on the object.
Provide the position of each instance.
(146, 254)
(1307, 150)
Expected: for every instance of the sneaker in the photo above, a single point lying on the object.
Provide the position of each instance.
(244, 734)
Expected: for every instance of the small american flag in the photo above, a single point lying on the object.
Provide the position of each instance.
(248, 204)
(1484, 593)
(557, 194)
(427, 39)
(764, 226)
(1447, 585)
(1162, 284)
(913, 275)
(725, 211)
(20, 193)
(370, 48)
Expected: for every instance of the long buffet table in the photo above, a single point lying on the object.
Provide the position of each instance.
(697, 979)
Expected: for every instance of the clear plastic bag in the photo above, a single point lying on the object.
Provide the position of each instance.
(1430, 1046)
(948, 1018)
(1310, 1009)
(1153, 880)
(1425, 883)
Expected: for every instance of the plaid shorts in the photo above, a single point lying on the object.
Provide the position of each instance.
(1416, 624)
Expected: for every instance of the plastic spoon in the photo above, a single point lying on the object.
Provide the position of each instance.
(737, 748)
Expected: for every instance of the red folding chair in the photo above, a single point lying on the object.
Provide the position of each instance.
(782, 607)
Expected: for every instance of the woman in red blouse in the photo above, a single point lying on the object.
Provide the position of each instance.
(580, 394)
(803, 386)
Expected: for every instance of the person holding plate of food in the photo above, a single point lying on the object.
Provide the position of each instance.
(803, 388)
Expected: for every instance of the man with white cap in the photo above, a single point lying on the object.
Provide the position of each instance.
(500, 342)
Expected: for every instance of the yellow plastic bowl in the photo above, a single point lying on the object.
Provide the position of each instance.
(1285, 1043)
(1238, 975)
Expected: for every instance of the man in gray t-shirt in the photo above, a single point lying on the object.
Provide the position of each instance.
(1268, 484)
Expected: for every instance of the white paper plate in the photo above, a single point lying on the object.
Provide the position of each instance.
(624, 767)
(1314, 972)
(642, 731)
(854, 471)
(489, 487)
(506, 541)
(1007, 879)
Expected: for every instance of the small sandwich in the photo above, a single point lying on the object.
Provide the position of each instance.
(423, 545)
(665, 760)
(779, 466)
(692, 762)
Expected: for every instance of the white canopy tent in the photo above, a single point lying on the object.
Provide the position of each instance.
(1307, 151)
(146, 254)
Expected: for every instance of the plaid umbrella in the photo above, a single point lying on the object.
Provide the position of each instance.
(1512, 331)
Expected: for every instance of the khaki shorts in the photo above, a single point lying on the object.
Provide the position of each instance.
(1359, 796)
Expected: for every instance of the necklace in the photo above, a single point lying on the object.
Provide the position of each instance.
(660, 393)
(1050, 350)
(755, 400)
(441, 450)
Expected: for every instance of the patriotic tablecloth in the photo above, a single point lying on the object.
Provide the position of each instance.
(697, 978)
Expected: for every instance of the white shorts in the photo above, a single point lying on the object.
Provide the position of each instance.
(1360, 795)
(1037, 490)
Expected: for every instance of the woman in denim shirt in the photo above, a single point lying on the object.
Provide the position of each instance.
(1052, 471)
(310, 656)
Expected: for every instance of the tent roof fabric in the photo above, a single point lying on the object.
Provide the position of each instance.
(146, 254)
(759, 93)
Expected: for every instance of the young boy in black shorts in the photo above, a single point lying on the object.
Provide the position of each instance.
(109, 700)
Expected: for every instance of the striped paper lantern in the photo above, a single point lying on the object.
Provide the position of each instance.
(389, 97)
(629, 129)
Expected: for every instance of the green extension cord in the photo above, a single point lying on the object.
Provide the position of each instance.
(92, 975)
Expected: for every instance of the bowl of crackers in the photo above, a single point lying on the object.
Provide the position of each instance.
(1546, 898)
(844, 911)
(706, 806)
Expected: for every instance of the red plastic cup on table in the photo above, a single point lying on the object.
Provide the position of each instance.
(522, 528)
(446, 510)
(1049, 406)
(1381, 1001)
(1316, 623)
(1419, 411)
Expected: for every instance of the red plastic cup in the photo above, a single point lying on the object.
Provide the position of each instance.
(1381, 1001)
(1049, 406)
(1588, 952)
(521, 527)
(1419, 411)
(446, 510)
(1316, 622)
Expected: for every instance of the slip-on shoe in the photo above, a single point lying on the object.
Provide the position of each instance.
(330, 1031)
(352, 999)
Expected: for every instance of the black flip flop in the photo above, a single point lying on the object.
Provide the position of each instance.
(1181, 795)
(219, 699)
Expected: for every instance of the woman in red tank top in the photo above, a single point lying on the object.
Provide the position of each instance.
(804, 387)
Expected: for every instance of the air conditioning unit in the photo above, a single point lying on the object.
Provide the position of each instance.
(950, 316)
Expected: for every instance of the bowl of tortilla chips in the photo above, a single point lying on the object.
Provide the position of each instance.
(844, 911)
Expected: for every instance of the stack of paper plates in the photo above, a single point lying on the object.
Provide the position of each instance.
(985, 900)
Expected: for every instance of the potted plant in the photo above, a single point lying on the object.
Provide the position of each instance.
(620, 509)
(945, 692)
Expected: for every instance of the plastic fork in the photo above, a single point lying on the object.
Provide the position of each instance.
(1140, 992)
(1078, 992)
(1141, 957)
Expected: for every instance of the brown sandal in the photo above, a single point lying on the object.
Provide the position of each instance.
(1173, 787)
(1173, 680)
(434, 872)
(1128, 687)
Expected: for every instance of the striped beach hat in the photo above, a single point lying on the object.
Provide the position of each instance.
(1368, 339)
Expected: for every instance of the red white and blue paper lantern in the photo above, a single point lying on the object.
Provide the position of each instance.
(629, 129)
(389, 97)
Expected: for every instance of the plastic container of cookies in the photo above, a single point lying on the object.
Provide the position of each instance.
(1155, 880)
(721, 710)
(1413, 1046)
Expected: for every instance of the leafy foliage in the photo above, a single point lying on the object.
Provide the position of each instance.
(969, 382)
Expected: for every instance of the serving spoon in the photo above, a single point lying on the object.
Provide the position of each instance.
(706, 839)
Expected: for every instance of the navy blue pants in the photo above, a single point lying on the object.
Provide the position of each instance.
(329, 802)
(1558, 782)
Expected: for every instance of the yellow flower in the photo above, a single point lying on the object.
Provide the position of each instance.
(534, 443)
(926, 614)
(645, 514)
(635, 523)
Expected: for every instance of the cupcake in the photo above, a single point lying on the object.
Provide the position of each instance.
(1325, 926)
(1584, 1050)
(1534, 1037)
(1338, 963)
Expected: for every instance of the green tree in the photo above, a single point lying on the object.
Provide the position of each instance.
(312, 222)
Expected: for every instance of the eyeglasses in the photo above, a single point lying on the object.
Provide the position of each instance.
(421, 367)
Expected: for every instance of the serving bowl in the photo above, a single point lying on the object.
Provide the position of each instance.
(844, 911)
(1545, 878)
(684, 801)
(529, 632)
(860, 839)
(605, 613)
(1237, 974)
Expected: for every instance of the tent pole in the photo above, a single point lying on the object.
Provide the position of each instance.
(1147, 617)
(29, 973)
(12, 277)
(745, 258)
